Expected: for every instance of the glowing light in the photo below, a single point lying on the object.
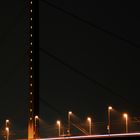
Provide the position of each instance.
(110, 107)
(7, 121)
(36, 117)
(58, 122)
(125, 115)
(70, 112)
(7, 129)
(88, 118)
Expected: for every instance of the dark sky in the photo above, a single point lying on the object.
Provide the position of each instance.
(112, 62)
(12, 59)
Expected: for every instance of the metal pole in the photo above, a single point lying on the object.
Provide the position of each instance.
(7, 133)
(90, 127)
(69, 123)
(59, 130)
(35, 127)
(108, 121)
(126, 125)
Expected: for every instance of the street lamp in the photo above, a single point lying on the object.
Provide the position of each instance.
(7, 133)
(89, 120)
(125, 115)
(6, 123)
(69, 119)
(109, 127)
(36, 119)
(59, 127)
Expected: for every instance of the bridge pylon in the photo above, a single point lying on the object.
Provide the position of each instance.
(33, 68)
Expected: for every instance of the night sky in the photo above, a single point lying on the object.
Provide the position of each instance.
(102, 57)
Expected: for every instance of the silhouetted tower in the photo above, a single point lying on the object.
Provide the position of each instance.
(33, 65)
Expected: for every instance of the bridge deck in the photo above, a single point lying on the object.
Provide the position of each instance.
(106, 136)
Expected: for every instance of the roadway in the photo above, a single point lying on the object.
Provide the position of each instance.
(90, 137)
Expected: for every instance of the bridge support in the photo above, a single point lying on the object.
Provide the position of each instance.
(33, 68)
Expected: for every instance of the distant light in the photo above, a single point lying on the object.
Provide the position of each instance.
(7, 121)
(88, 118)
(110, 107)
(125, 115)
(7, 128)
(36, 117)
(31, 2)
(70, 112)
(58, 122)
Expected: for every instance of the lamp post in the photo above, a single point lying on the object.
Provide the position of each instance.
(125, 115)
(7, 133)
(59, 127)
(89, 120)
(35, 132)
(109, 127)
(6, 123)
(69, 123)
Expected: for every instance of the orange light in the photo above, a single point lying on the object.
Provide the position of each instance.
(88, 118)
(110, 107)
(125, 115)
(58, 122)
(70, 112)
(7, 121)
(7, 129)
(36, 117)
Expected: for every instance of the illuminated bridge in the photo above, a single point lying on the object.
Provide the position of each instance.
(34, 117)
(112, 136)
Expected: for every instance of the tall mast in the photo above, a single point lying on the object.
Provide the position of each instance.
(33, 67)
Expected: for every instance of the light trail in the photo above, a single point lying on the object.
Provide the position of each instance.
(93, 136)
